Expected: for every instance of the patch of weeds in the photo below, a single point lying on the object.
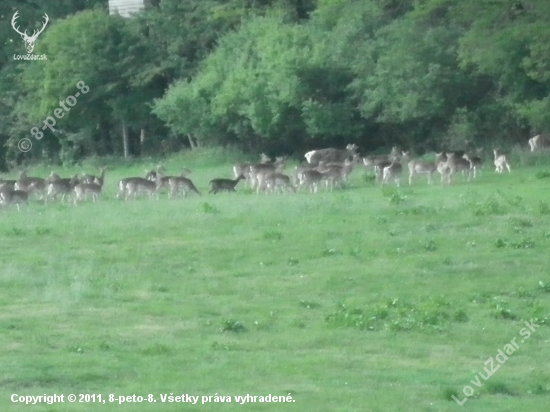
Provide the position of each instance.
(395, 315)
(496, 387)
(448, 394)
(460, 316)
(231, 325)
(159, 288)
(544, 208)
(523, 244)
(422, 210)
(104, 346)
(430, 246)
(515, 201)
(521, 222)
(309, 305)
(370, 179)
(397, 199)
(330, 252)
(542, 175)
(273, 235)
(293, 261)
(43, 230)
(355, 318)
(430, 227)
(481, 297)
(333, 235)
(540, 389)
(210, 209)
(355, 252)
(489, 207)
(392, 233)
(267, 324)
(14, 231)
(502, 311)
(156, 349)
(394, 197)
(447, 261)
(546, 235)
(500, 243)
(76, 349)
(299, 323)
(381, 220)
(523, 293)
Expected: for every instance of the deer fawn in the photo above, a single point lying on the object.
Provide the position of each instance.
(219, 185)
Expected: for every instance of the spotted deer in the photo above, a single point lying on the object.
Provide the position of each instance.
(11, 196)
(60, 186)
(501, 162)
(394, 170)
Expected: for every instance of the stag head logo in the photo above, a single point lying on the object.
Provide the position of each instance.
(29, 40)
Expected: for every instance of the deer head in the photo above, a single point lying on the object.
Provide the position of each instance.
(29, 40)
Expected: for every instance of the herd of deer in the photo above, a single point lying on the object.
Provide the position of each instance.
(329, 166)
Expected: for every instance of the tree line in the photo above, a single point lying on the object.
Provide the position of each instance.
(281, 76)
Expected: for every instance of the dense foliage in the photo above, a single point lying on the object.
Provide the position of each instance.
(277, 75)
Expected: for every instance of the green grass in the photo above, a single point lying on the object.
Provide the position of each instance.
(363, 299)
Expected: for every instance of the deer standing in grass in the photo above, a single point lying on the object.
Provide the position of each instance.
(330, 155)
(312, 179)
(258, 172)
(501, 162)
(393, 171)
(10, 196)
(181, 184)
(8, 184)
(476, 163)
(457, 164)
(83, 190)
(379, 162)
(135, 186)
(56, 186)
(278, 182)
(94, 179)
(244, 168)
(420, 167)
(30, 185)
(539, 142)
(220, 185)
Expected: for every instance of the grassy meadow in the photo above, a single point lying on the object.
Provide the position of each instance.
(363, 299)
